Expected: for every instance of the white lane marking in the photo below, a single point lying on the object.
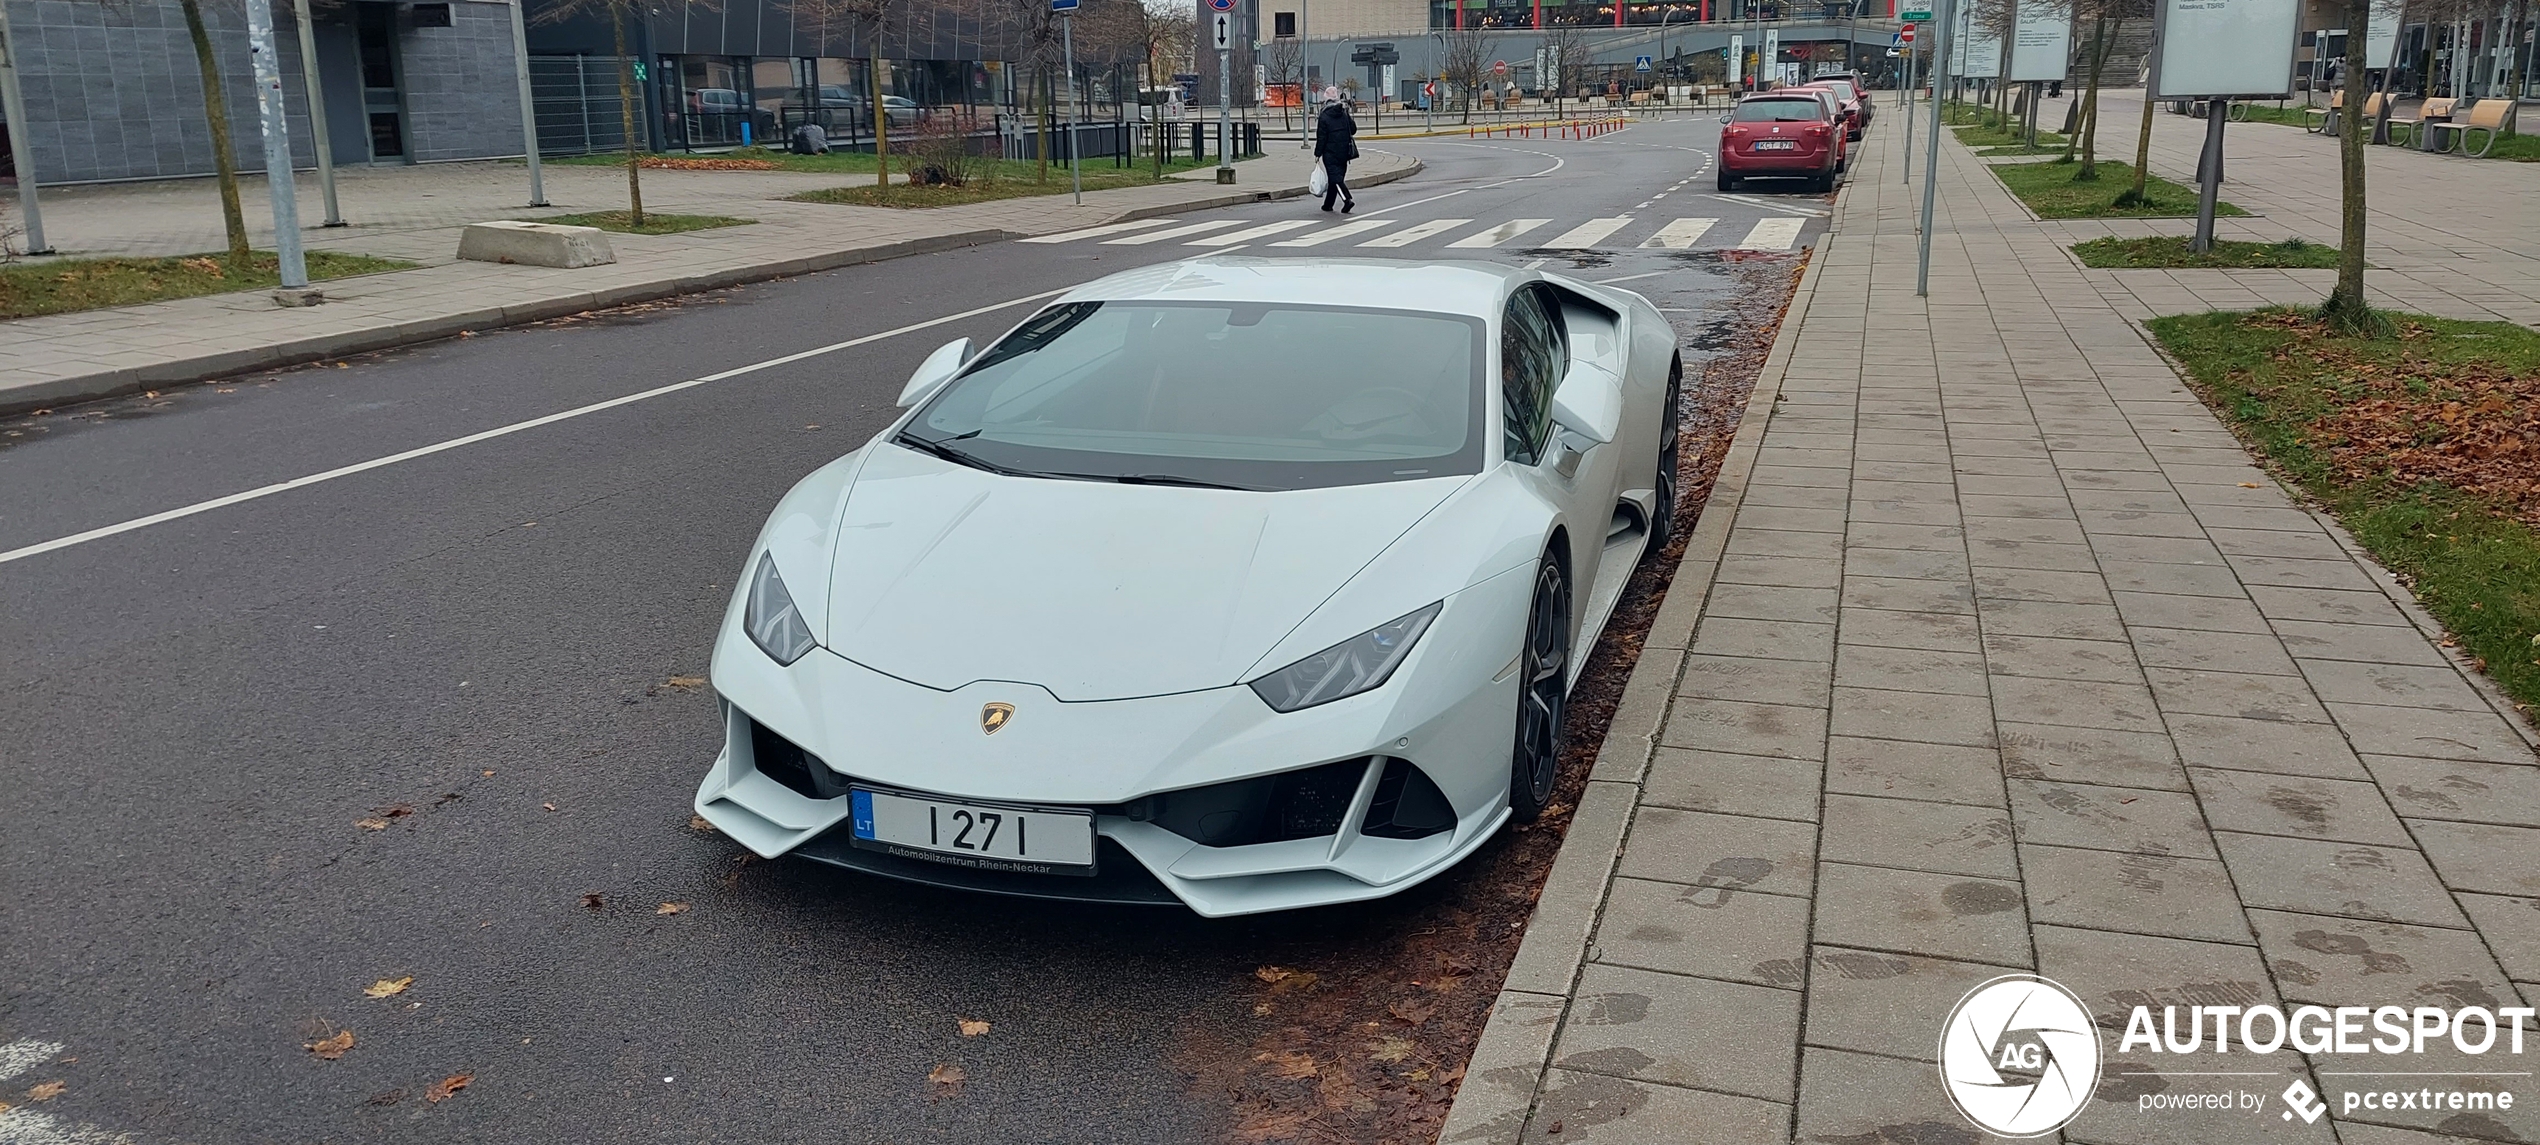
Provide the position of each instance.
(1589, 233)
(1095, 232)
(25, 1054)
(23, 1125)
(1775, 204)
(1535, 264)
(1184, 231)
(1342, 231)
(1629, 278)
(1248, 234)
(1497, 235)
(1678, 235)
(1415, 232)
(42, 547)
(1772, 234)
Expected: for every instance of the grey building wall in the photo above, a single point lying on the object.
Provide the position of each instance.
(113, 92)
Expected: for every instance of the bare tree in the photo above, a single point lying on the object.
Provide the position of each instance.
(2345, 308)
(1466, 54)
(1029, 32)
(1287, 58)
(867, 20)
(216, 117)
(1565, 53)
(630, 102)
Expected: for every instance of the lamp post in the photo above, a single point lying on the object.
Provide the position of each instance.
(14, 105)
(317, 111)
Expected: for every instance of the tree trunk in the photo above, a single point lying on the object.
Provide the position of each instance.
(2090, 101)
(881, 114)
(2345, 308)
(1048, 123)
(2142, 153)
(630, 111)
(2082, 107)
(216, 117)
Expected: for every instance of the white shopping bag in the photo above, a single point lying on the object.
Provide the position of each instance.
(1319, 183)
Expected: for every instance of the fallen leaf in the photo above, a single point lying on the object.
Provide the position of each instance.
(594, 901)
(442, 1089)
(548, 806)
(2248, 484)
(701, 823)
(394, 810)
(47, 1091)
(972, 1027)
(1261, 1009)
(1272, 973)
(391, 1097)
(371, 824)
(1389, 1050)
(685, 682)
(387, 987)
(487, 773)
(671, 908)
(331, 1048)
(947, 1080)
(1412, 1010)
(1288, 1063)
(4, 1107)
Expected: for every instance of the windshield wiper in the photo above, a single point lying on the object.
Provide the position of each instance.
(961, 456)
(1164, 479)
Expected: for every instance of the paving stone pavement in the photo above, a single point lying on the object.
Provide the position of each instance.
(1993, 654)
(417, 213)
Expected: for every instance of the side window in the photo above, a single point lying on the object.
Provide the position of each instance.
(1531, 359)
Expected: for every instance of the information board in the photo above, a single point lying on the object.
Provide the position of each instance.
(2041, 42)
(2237, 48)
(2383, 35)
(1975, 52)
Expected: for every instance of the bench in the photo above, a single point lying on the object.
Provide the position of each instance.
(2337, 103)
(2493, 116)
(2433, 111)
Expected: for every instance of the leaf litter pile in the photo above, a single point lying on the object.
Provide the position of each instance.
(2470, 425)
(1366, 1041)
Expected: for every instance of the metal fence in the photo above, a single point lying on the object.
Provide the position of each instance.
(578, 109)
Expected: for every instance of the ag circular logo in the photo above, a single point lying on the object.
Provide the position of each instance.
(2019, 1056)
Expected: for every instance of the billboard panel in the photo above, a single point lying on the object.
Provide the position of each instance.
(2383, 35)
(2240, 48)
(2041, 43)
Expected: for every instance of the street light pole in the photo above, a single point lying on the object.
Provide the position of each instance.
(528, 111)
(1075, 165)
(1225, 95)
(13, 104)
(1305, 72)
(1947, 16)
(277, 134)
(317, 111)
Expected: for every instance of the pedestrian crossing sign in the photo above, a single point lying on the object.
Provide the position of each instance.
(1640, 64)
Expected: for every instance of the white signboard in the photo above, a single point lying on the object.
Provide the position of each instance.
(2224, 48)
(1260, 83)
(1737, 58)
(2383, 38)
(1772, 53)
(2041, 43)
(1975, 53)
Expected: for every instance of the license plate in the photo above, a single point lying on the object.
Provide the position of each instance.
(993, 837)
(1776, 145)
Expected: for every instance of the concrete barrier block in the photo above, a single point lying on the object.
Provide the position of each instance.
(535, 244)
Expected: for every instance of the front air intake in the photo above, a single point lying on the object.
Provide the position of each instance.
(800, 771)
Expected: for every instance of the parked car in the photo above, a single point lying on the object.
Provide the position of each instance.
(1783, 134)
(1844, 117)
(840, 101)
(1849, 86)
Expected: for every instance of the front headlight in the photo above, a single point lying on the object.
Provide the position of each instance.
(771, 618)
(1347, 668)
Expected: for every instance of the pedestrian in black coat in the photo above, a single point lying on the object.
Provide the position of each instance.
(1336, 143)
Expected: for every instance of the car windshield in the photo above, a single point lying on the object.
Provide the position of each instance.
(1780, 110)
(1842, 88)
(1243, 395)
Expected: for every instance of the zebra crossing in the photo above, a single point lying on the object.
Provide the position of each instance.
(1774, 233)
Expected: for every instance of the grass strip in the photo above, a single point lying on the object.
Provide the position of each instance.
(2170, 251)
(655, 222)
(2051, 190)
(59, 286)
(2420, 444)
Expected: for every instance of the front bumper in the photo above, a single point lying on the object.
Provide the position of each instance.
(1768, 163)
(1449, 710)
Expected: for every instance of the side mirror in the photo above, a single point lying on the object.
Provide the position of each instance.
(938, 368)
(1724, 119)
(1589, 404)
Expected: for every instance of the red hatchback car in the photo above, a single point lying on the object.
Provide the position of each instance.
(1781, 134)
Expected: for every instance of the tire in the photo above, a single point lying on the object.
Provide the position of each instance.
(1728, 182)
(1543, 694)
(1662, 518)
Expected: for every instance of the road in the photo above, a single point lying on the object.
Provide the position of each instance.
(269, 745)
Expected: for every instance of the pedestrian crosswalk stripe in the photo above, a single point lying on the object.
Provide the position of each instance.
(1412, 234)
(1679, 234)
(1179, 232)
(1248, 234)
(1769, 234)
(1589, 233)
(1498, 234)
(1342, 231)
(1095, 232)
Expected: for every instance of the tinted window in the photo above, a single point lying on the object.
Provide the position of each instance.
(1531, 360)
(1842, 88)
(1780, 110)
(1252, 395)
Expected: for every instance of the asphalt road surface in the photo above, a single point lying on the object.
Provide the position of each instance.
(466, 631)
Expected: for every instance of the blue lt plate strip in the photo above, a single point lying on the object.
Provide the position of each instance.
(863, 804)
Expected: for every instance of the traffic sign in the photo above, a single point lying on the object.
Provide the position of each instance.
(1429, 88)
(1062, 5)
(1905, 35)
(1915, 16)
(1224, 37)
(1222, 5)
(1499, 67)
(1640, 63)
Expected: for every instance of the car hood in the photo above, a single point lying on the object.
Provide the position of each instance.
(945, 575)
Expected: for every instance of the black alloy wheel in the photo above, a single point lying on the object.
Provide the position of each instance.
(1543, 694)
(1662, 517)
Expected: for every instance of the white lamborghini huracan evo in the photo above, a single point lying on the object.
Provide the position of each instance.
(1247, 584)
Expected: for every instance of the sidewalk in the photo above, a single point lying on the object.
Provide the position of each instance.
(1993, 653)
(417, 213)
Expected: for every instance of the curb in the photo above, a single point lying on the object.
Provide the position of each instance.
(131, 380)
(1505, 1075)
